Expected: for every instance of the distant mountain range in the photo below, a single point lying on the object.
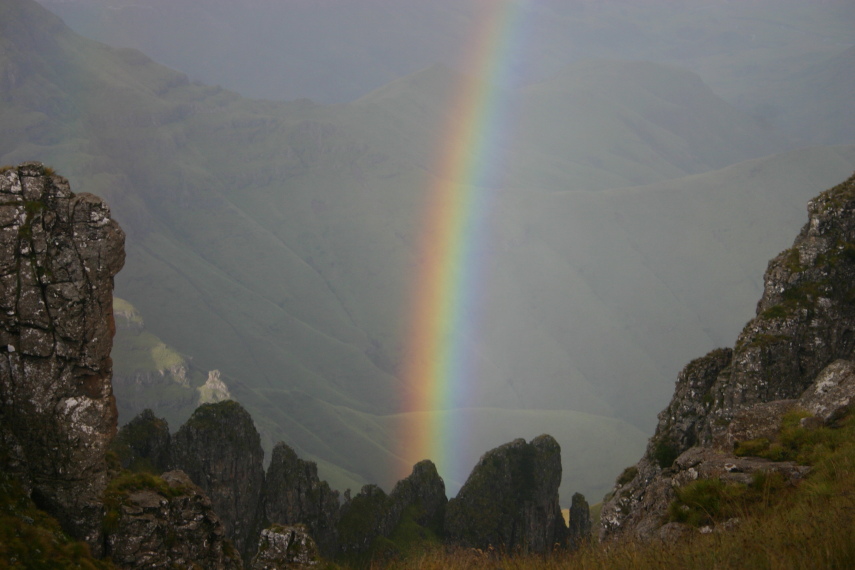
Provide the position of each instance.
(275, 241)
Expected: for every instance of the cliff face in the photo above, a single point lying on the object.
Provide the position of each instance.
(220, 449)
(511, 499)
(58, 255)
(424, 491)
(795, 353)
(294, 494)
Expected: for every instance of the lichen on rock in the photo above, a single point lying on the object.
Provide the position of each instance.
(58, 255)
(165, 522)
(796, 353)
(285, 547)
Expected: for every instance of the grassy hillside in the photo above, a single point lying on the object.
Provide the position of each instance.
(275, 242)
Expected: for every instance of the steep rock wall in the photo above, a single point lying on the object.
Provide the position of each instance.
(220, 449)
(804, 324)
(510, 499)
(58, 255)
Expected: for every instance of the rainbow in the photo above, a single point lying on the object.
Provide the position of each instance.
(438, 369)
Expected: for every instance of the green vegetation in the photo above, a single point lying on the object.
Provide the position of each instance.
(709, 501)
(627, 475)
(118, 490)
(411, 538)
(665, 452)
(124, 310)
(144, 352)
(31, 539)
(795, 442)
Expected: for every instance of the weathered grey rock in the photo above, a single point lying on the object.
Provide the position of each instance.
(58, 255)
(373, 513)
(424, 491)
(832, 393)
(758, 421)
(681, 425)
(637, 510)
(805, 321)
(805, 318)
(510, 500)
(579, 526)
(220, 449)
(167, 526)
(144, 444)
(285, 547)
(293, 494)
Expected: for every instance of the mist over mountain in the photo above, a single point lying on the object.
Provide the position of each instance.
(338, 50)
(276, 241)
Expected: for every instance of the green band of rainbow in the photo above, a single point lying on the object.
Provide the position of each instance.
(438, 371)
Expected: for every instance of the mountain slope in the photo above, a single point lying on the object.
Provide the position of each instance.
(338, 50)
(275, 242)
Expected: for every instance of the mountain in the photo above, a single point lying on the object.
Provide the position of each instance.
(275, 242)
(768, 406)
(822, 90)
(595, 125)
(339, 50)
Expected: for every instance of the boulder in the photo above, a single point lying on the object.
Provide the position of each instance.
(285, 547)
(832, 393)
(423, 491)
(372, 513)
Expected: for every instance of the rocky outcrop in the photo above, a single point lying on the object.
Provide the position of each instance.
(58, 255)
(418, 499)
(833, 392)
(579, 523)
(363, 519)
(166, 522)
(144, 444)
(795, 353)
(220, 449)
(285, 547)
(423, 491)
(293, 494)
(214, 389)
(510, 500)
